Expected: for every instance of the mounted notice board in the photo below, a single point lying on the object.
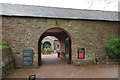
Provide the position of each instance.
(81, 53)
(27, 57)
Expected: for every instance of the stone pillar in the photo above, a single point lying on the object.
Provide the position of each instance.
(18, 60)
(35, 59)
(62, 45)
(0, 50)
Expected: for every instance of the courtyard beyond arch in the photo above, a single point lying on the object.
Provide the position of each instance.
(65, 43)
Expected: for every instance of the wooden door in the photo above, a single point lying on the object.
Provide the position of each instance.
(68, 50)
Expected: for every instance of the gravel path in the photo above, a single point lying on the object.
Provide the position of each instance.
(54, 67)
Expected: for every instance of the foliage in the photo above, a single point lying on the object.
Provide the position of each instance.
(46, 45)
(113, 49)
(63, 53)
(54, 46)
(47, 50)
(95, 58)
(4, 46)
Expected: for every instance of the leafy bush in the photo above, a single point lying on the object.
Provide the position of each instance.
(47, 50)
(113, 49)
(4, 46)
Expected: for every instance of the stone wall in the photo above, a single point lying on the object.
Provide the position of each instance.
(57, 44)
(8, 62)
(119, 29)
(24, 33)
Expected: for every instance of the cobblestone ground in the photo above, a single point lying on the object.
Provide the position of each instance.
(54, 67)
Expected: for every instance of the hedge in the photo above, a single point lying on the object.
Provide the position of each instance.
(113, 49)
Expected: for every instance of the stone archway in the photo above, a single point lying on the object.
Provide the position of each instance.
(64, 38)
(46, 44)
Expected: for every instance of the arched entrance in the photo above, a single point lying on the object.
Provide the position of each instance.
(46, 44)
(65, 39)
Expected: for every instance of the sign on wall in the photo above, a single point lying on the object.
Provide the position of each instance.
(81, 53)
(28, 57)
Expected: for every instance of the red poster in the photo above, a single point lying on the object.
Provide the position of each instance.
(81, 55)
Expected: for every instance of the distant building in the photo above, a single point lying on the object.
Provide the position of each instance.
(57, 46)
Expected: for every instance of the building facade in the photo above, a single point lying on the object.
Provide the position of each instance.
(24, 31)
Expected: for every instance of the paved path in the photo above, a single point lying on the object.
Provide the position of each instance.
(54, 67)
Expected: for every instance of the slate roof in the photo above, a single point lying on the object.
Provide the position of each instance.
(54, 12)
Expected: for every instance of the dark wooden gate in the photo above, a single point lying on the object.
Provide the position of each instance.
(39, 54)
(68, 50)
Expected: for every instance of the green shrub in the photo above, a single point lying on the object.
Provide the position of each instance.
(4, 46)
(47, 50)
(113, 49)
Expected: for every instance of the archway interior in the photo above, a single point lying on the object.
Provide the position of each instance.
(65, 43)
(46, 45)
(49, 44)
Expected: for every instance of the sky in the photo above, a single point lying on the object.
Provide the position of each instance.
(106, 5)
